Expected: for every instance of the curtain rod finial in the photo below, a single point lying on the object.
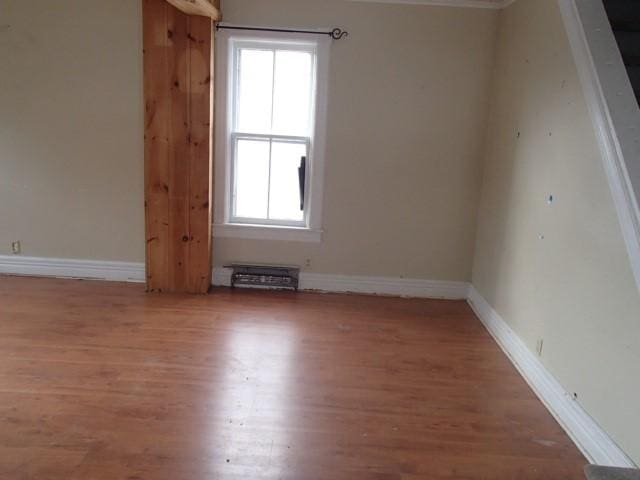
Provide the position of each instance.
(338, 34)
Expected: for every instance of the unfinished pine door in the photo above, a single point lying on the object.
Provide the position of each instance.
(178, 147)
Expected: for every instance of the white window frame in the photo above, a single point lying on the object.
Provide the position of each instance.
(225, 225)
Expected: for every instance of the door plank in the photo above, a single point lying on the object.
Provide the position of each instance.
(156, 143)
(179, 154)
(201, 43)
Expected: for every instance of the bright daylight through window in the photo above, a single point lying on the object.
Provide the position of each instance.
(273, 103)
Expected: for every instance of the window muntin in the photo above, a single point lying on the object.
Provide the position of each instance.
(272, 121)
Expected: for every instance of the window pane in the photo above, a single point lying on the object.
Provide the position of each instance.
(284, 195)
(292, 93)
(252, 178)
(255, 80)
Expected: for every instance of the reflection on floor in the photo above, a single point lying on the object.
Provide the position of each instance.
(102, 381)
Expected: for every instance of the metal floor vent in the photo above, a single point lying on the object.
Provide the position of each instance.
(274, 276)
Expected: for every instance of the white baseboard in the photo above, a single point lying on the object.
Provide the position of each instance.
(69, 268)
(401, 287)
(135, 272)
(594, 443)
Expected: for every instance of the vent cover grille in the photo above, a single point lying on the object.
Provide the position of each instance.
(274, 276)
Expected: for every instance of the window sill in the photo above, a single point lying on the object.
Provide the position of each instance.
(266, 232)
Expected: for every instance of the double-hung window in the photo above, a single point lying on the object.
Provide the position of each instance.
(272, 147)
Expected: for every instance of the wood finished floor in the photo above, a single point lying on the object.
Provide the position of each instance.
(100, 381)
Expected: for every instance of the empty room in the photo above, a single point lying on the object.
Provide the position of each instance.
(319, 239)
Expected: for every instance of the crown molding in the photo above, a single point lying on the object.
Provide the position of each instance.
(489, 4)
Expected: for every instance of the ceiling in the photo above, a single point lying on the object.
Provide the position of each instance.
(494, 4)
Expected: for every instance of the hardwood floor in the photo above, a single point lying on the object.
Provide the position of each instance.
(102, 381)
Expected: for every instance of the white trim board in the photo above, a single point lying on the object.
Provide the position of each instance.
(491, 4)
(592, 440)
(70, 268)
(402, 287)
(228, 44)
(613, 110)
(266, 232)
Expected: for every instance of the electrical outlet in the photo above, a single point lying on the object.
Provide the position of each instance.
(307, 262)
(15, 247)
(539, 345)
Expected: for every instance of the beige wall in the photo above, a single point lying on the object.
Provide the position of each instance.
(408, 97)
(71, 129)
(407, 104)
(573, 288)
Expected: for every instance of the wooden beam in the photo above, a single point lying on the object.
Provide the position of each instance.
(203, 8)
(178, 144)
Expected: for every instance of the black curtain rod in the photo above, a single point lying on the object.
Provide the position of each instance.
(336, 33)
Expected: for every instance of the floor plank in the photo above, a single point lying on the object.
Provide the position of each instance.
(102, 381)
